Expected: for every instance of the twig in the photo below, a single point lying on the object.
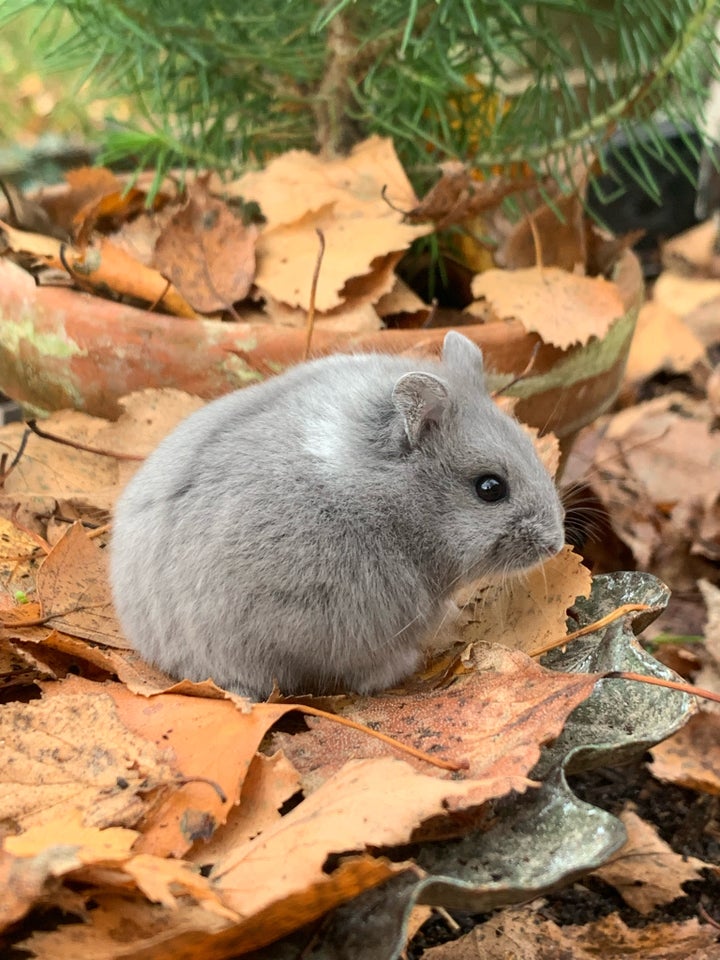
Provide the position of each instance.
(41, 621)
(159, 299)
(4, 474)
(388, 201)
(592, 627)
(76, 445)
(313, 291)
(255, 363)
(183, 781)
(521, 376)
(99, 531)
(658, 682)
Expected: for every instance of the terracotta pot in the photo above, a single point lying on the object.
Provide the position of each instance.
(60, 348)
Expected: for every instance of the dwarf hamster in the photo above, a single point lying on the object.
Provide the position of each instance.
(309, 531)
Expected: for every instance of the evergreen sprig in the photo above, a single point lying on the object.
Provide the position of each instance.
(491, 82)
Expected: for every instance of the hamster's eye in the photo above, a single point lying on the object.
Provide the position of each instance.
(491, 488)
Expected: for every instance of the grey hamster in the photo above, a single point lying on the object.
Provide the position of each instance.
(311, 529)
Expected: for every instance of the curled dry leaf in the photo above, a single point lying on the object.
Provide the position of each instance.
(561, 307)
(655, 470)
(207, 252)
(460, 195)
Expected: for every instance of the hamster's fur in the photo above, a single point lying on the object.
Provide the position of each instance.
(309, 531)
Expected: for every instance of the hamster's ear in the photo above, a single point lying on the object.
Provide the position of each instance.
(464, 356)
(421, 398)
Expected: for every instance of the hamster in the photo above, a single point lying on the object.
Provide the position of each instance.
(309, 531)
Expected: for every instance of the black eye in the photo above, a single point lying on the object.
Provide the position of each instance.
(491, 488)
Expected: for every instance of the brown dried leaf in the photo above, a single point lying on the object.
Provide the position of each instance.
(298, 182)
(299, 192)
(120, 924)
(207, 252)
(68, 844)
(378, 802)
(655, 470)
(496, 719)
(355, 247)
(524, 934)
(560, 306)
(647, 872)
(73, 587)
(527, 613)
(26, 214)
(691, 757)
(662, 341)
(709, 676)
(694, 299)
(351, 318)
(459, 195)
(73, 753)
(186, 725)
(49, 469)
(692, 252)
(562, 239)
(269, 783)
(22, 883)
(19, 552)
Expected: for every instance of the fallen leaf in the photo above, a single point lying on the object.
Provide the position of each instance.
(207, 252)
(692, 253)
(211, 779)
(525, 935)
(459, 195)
(561, 238)
(163, 880)
(22, 883)
(73, 587)
(656, 470)
(143, 926)
(662, 341)
(562, 307)
(691, 757)
(686, 296)
(300, 192)
(378, 802)
(709, 674)
(79, 845)
(269, 783)
(526, 613)
(495, 718)
(647, 872)
(74, 753)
